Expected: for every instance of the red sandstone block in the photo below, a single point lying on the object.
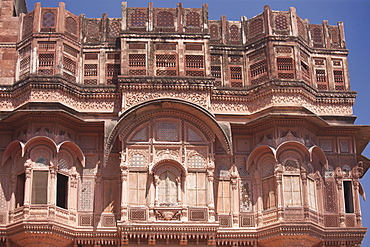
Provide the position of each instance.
(9, 56)
(8, 38)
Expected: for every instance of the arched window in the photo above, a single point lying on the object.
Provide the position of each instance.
(165, 19)
(48, 19)
(40, 181)
(138, 19)
(213, 30)
(167, 189)
(234, 33)
(223, 190)
(62, 184)
(268, 186)
(71, 25)
(192, 19)
(292, 186)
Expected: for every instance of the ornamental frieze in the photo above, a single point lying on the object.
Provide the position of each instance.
(133, 98)
(235, 105)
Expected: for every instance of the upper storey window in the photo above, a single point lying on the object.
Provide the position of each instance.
(281, 22)
(234, 33)
(71, 25)
(165, 19)
(48, 19)
(192, 19)
(138, 19)
(213, 30)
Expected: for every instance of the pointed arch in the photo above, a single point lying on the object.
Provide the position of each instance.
(146, 110)
(75, 150)
(258, 152)
(297, 146)
(11, 149)
(40, 139)
(317, 151)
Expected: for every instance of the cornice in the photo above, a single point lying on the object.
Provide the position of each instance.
(58, 83)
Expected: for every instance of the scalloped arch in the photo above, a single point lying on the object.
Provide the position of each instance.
(258, 152)
(169, 107)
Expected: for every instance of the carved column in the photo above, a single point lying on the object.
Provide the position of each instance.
(151, 197)
(98, 194)
(257, 194)
(234, 197)
(72, 204)
(305, 193)
(319, 196)
(340, 198)
(210, 199)
(53, 172)
(27, 184)
(124, 191)
(279, 189)
(356, 202)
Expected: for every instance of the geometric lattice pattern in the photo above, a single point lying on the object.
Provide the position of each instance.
(138, 19)
(255, 27)
(281, 22)
(109, 221)
(234, 33)
(48, 19)
(198, 214)
(165, 19)
(90, 70)
(86, 220)
(194, 61)
(225, 220)
(196, 161)
(331, 221)
(246, 221)
(137, 214)
(138, 160)
(114, 28)
(329, 198)
(213, 30)
(258, 68)
(166, 60)
(291, 165)
(192, 19)
(71, 25)
(86, 195)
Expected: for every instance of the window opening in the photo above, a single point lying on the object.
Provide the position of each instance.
(348, 196)
(62, 191)
(39, 187)
(167, 189)
(19, 193)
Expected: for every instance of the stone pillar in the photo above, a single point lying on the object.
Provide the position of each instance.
(234, 197)
(151, 197)
(305, 194)
(27, 184)
(279, 189)
(210, 199)
(124, 191)
(356, 202)
(257, 196)
(340, 196)
(53, 173)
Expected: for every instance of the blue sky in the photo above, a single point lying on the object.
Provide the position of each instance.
(354, 14)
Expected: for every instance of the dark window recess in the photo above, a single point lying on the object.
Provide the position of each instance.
(62, 191)
(19, 193)
(39, 187)
(348, 196)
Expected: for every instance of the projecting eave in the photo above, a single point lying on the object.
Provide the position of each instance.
(362, 140)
